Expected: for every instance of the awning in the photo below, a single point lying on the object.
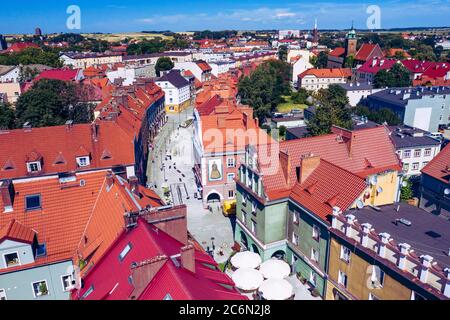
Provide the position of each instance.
(247, 279)
(275, 269)
(246, 259)
(276, 289)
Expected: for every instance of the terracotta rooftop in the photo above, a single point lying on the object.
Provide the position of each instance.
(327, 73)
(439, 167)
(16, 231)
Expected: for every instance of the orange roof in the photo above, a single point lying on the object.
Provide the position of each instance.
(327, 73)
(204, 66)
(439, 167)
(16, 231)
(337, 52)
(59, 146)
(74, 218)
(365, 52)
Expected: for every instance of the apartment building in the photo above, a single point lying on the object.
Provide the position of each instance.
(315, 79)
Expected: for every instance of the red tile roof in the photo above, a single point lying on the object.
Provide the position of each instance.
(59, 74)
(16, 231)
(111, 277)
(367, 51)
(376, 65)
(416, 66)
(20, 46)
(439, 167)
(337, 52)
(326, 187)
(204, 66)
(64, 142)
(327, 73)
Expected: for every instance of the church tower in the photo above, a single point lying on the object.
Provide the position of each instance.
(315, 33)
(351, 42)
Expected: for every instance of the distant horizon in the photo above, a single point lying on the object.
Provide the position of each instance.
(115, 16)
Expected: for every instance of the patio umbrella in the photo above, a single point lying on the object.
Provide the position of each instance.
(275, 269)
(247, 279)
(276, 289)
(246, 259)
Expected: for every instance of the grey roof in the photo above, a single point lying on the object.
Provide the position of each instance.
(356, 86)
(84, 55)
(287, 119)
(298, 132)
(428, 233)
(175, 78)
(157, 54)
(404, 136)
(400, 96)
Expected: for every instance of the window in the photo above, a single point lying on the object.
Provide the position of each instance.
(231, 194)
(417, 153)
(168, 297)
(415, 166)
(316, 233)
(88, 292)
(295, 219)
(428, 152)
(83, 161)
(41, 250)
(230, 177)
(424, 164)
(342, 279)
(12, 259)
(125, 251)
(314, 255)
(373, 297)
(377, 277)
(406, 167)
(3, 294)
(294, 238)
(407, 154)
(40, 288)
(244, 199)
(345, 254)
(34, 166)
(67, 282)
(33, 202)
(254, 226)
(231, 163)
(244, 217)
(254, 207)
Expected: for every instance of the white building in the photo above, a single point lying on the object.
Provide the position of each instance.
(299, 60)
(9, 73)
(84, 60)
(177, 91)
(200, 69)
(222, 66)
(130, 73)
(414, 147)
(356, 92)
(315, 79)
(283, 34)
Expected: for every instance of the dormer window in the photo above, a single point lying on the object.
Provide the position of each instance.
(34, 166)
(12, 259)
(33, 202)
(83, 161)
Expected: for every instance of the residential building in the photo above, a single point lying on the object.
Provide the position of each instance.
(12, 91)
(130, 73)
(358, 92)
(84, 60)
(336, 58)
(392, 252)
(315, 79)
(366, 72)
(299, 63)
(200, 69)
(20, 46)
(288, 121)
(152, 58)
(221, 66)
(64, 74)
(414, 147)
(177, 91)
(284, 200)
(368, 52)
(426, 108)
(437, 74)
(416, 67)
(288, 34)
(435, 185)
(151, 260)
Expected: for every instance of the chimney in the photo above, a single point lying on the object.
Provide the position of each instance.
(245, 120)
(350, 219)
(334, 218)
(404, 251)
(170, 219)
(144, 272)
(366, 227)
(188, 257)
(308, 164)
(426, 264)
(382, 245)
(109, 180)
(446, 290)
(134, 186)
(285, 163)
(7, 194)
(95, 130)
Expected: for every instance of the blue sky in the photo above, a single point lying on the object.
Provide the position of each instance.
(176, 15)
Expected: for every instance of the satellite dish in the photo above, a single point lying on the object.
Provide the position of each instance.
(447, 191)
(404, 184)
(373, 180)
(359, 204)
(379, 189)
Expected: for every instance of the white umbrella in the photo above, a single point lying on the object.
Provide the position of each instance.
(275, 269)
(276, 289)
(247, 279)
(246, 259)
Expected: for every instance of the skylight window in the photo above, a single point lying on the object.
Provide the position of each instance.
(125, 251)
(33, 202)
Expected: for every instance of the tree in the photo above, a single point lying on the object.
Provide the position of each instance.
(398, 76)
(163, 64)
(349, 61)
(406, 192)
(379, 116)
(283, 53)
(282, 131)
(7, 117)
(301, 96)
(50, 103)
